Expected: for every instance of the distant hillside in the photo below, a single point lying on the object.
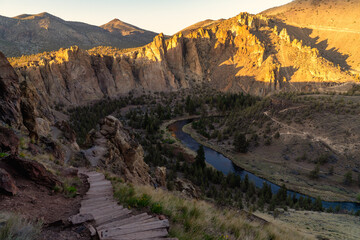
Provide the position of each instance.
(29, 34)
(332, 26)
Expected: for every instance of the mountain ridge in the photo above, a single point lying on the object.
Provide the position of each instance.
(33, 33)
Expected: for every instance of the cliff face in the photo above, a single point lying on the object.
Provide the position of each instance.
(113, 148)
(331, 26)
(9, 94)
(247, 53)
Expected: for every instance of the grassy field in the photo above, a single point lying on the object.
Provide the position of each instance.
(322, 225)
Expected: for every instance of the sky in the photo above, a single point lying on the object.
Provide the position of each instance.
(165, 16)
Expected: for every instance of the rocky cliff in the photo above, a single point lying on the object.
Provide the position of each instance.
(114, 149)
(9, 94)
(331, 26)
(247, 53)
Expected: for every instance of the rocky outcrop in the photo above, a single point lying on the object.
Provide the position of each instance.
(9, 94)
(114, 149)
(33, 170)
(9, 142)
(160, 176)
(187, 188)
(7, 183)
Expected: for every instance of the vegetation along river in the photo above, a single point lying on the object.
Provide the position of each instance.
(225, 165)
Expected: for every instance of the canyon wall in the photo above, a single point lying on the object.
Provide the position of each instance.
(247, 53)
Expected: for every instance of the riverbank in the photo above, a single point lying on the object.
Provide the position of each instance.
(273, 172)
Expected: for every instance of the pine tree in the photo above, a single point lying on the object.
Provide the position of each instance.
(200, 157)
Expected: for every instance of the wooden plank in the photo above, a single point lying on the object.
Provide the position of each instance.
(99, 208)
(100, 187)
(105, 211)
(133, 228)
(97, 205)
(96, 178)
(100, 183)
(131, 219)
(112, 217)
(97, 195)
(141, 235)
(97, 199)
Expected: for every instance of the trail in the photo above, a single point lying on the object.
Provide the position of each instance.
(113, 221)
(306, 135)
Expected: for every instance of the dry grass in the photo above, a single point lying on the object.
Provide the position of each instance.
(321, 225)
(197, 219)
(14, 227)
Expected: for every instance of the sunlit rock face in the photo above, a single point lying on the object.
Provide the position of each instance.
(248, 53)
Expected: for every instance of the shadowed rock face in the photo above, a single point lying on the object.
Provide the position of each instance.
(247, 53)
(7, 183)
(9, 94)
(114, 149)
(32, 170)
(9, 142)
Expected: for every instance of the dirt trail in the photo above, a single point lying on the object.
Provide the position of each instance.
(326, 141)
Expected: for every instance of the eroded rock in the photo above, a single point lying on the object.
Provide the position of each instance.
(113, 148)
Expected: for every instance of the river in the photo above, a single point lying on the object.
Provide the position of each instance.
(225, 165)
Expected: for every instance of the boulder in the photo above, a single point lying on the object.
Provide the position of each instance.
(33, 170)
(7, 183)
(186, 187)
(9, 142)
(113, 148)
(160, 175)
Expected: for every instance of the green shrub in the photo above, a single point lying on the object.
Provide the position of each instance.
(3, 155)
(144, 201)
(156, 208)
(14, 227)
(70, 191)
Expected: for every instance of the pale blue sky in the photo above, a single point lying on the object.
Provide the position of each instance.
(157, 15)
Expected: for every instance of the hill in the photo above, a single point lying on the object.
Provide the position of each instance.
(331, 26)
(29, 34)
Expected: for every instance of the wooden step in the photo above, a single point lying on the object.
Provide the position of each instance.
(98, 213)
(98, 208)
(132, 219)
(101, 183)
(95, 200)
(133, 228)
(111, 217)
(140, 235)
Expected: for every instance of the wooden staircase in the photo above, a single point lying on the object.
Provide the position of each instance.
(112, 221)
